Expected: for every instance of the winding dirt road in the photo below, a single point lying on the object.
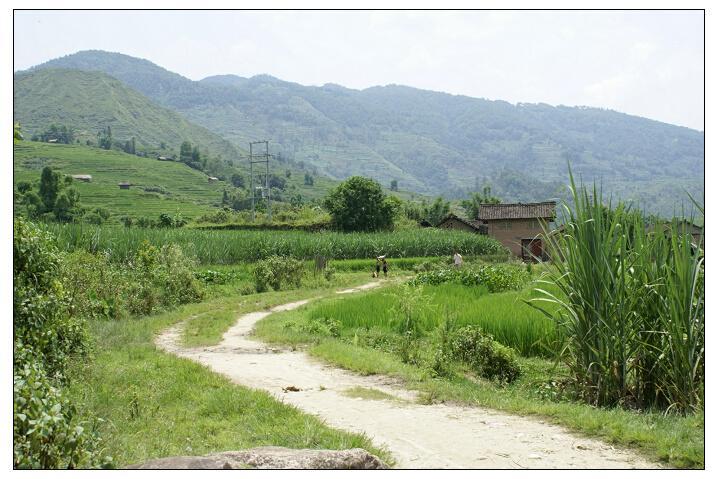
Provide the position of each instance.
(418, 436)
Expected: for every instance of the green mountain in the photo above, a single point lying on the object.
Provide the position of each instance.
(90, 101)
(430, 142)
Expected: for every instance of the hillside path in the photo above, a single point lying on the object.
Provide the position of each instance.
(418, 436)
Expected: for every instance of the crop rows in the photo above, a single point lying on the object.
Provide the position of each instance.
(226, 247)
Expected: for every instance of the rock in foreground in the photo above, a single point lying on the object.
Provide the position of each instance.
(271, 457)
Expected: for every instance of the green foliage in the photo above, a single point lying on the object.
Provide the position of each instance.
(155, 279)
(104, 138)
(57, 134)
(359, 204)
(473, 204)
(40, 317)
(631, 306)
(49, 188)
(437, 211)
(226, 247)
(278, 272)
(47, 433)
(488, 358)
(496, 277)
(17, 132)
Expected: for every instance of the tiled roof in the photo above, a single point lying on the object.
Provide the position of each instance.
(513, 211)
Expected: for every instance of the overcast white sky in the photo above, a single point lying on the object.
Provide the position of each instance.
(643, 63)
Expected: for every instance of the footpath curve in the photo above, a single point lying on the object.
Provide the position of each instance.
(418, 436)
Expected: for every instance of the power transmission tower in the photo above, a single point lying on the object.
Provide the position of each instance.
(260, 191)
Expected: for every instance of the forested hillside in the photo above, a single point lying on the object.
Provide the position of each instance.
(430, 142)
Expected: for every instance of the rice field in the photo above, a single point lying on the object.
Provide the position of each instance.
(505, 315)
(228, 247)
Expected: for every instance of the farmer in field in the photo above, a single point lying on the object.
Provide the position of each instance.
(385, 266)
(458, 260)
(378, 266)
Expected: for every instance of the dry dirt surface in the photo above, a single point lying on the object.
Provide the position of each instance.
(418, 436)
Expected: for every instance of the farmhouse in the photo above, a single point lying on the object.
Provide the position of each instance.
(83, 178)
(165, 158)
(212, 179)
(517, 226)
(685, 227)
(453, 222)
(124, 185)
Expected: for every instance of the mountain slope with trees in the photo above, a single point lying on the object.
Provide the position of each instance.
(427, 141)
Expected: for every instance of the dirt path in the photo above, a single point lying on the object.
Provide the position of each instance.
(418, 436)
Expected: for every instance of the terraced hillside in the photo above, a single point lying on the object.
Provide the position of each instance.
(431, 142)
(174, 187)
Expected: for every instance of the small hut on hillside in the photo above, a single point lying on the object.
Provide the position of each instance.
(124, 185)
(83, 178)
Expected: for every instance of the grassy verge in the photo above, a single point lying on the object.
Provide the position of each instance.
(206, 327)
(155, 404)
(672, 439)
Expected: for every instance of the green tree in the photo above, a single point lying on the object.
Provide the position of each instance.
(308, 179)
(16, 132)
(67, 205)
(186, 152)
(104, 138)
(196, 156)
(438, 210)
(473, 204)
(49, 188)
(359, 204)
(394, 185)
(237, 180)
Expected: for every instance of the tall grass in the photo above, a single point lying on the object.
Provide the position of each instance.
(505, 315)
(225, 247)
(631, 307)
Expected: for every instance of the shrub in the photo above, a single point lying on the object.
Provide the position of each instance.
(278, 272)
(488, 358)
(215, 277)
(329, 273)
(40, 315)
(322, 326)
(495, 277)
(46, 431)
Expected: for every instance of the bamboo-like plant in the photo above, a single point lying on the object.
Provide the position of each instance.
(630, 305)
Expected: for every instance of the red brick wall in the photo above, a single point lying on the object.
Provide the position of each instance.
(510, 232)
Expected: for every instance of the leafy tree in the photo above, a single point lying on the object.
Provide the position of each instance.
(67, 205)
(16, 132)
(308, 179)
(196, 156)
(297, 201)
(186, 152)
(237, 180)
(359, 204)
(394, 185)
(60, 134)
(104, 138)
(438, 210)
(24, 186)
(288, 173)
(277, 182)
(473, 204)
(49, 188)
(130, 146)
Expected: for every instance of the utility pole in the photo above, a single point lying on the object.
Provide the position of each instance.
(260, 158)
